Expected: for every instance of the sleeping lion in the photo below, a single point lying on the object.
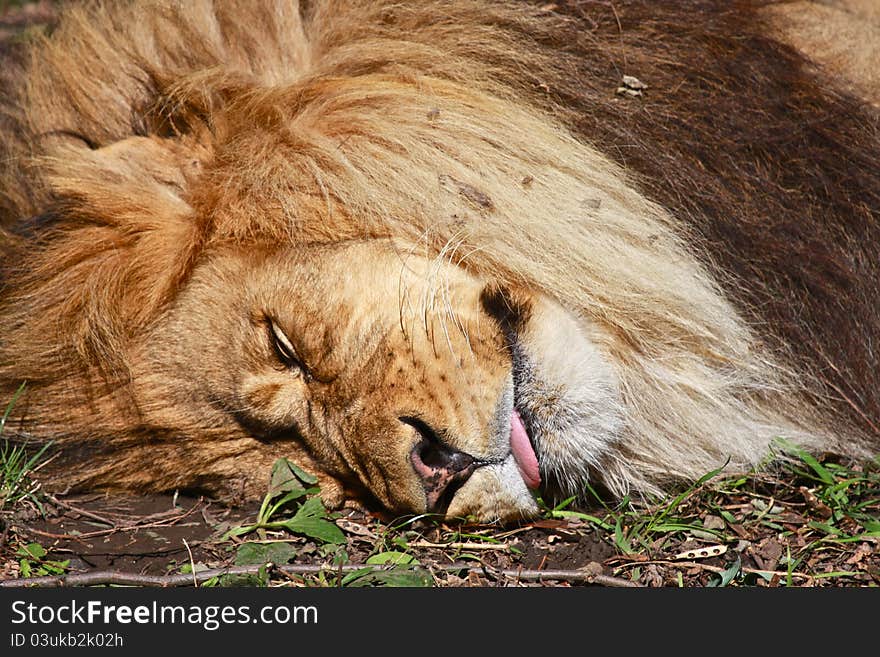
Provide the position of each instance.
(453, 257)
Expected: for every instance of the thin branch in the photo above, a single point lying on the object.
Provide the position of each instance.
(192, 563)
(571, 576)
(457, 545)
(88, 514)
(107, 578)
(139, 524)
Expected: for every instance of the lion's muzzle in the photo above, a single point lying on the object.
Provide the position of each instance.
(441, 468)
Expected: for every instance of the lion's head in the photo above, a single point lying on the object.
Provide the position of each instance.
(397, 374)
(342, 234)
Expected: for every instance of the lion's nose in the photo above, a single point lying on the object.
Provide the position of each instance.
(441, 468)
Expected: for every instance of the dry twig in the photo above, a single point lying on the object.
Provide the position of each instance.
(139, 524)
(87, 514)
(458, 545)
(106, 578)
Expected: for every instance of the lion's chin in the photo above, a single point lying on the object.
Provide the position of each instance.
(565, 417)
(497, 491)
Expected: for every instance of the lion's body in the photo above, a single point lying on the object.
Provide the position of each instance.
(455, 218)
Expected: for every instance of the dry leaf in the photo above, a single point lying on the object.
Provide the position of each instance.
(702, 553)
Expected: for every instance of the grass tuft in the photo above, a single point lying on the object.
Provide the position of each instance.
(804, 521)
(16, 466)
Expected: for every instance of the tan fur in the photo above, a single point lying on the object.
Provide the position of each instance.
(842, 36)
(365, 172)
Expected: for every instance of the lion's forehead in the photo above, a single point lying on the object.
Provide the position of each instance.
(368, 296)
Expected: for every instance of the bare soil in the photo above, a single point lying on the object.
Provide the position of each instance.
(743, 535)
(159, 534)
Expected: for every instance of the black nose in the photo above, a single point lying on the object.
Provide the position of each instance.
(441, 468)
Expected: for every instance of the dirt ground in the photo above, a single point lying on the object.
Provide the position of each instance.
(755, 530)
(160, 534)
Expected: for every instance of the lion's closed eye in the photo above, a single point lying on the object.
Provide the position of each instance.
(284, 350)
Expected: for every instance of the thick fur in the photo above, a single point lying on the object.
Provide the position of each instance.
(712, 241)
(842, 36)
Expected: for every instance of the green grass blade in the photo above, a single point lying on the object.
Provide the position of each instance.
(820, 470)
(10, 406)
(593, 520)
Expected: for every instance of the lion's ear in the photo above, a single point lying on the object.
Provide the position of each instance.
(122, 240)
(126, 182)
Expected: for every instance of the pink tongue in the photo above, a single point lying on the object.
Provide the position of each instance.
(523, 453)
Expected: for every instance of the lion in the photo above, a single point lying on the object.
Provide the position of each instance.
(459, 258)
